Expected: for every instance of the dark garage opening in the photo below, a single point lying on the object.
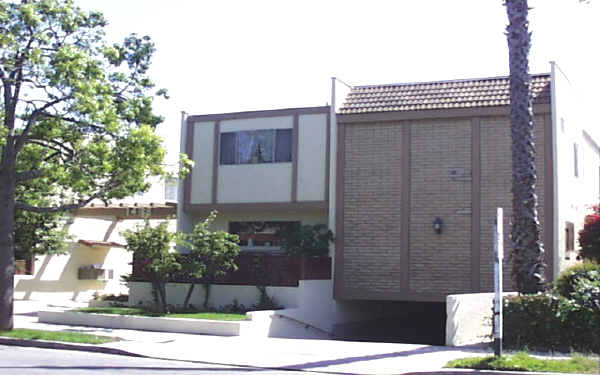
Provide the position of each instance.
(399, 322)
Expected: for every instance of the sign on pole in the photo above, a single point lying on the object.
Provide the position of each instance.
(498, 255)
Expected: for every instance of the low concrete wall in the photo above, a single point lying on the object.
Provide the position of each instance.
(469, 318)
(140, 293)
(196, 326)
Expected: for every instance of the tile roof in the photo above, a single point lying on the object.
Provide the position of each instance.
(467, 93)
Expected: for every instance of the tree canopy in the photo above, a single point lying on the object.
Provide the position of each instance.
(76, 117)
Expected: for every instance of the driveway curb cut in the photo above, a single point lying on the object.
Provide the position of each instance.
(65, 346)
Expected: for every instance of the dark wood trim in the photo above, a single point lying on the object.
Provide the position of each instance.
(538, 109)
(476, 204)
(549, 197)
(303, 206)
(338, 268)
(295, 142)
(258, 114)
(215, 174)
(393, 296)
(327, 156)
(405, 209)
(189, 150)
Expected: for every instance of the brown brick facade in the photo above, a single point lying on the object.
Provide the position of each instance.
(378, 259)
(441, 187)
(372, 212)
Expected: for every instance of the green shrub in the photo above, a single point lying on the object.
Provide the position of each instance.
(567, 320)
(306, 240)
(589, 236)
(566, 281)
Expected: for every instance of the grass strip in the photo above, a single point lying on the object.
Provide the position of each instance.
(136, 311)
(36, 334)
(578, 364)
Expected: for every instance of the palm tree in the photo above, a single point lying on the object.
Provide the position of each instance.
(528, 252)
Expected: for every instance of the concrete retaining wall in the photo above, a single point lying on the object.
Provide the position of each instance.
(145, 323)
(469, 318)
(140, 293)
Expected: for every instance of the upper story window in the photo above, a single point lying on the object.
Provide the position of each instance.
(256, 146)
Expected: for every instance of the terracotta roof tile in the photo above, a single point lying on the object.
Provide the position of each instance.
(482, 92)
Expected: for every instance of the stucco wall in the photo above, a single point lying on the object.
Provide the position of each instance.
(203, 163)
(140, 293)
(469, 318)
(312, 147)
(574, 194)
(261, 183)
(248, 183)
(56, 276)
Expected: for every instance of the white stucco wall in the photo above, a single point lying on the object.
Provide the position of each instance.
(312, 145)
(140, 293)
(56, 276)
(256, 183)
(279, 122)
(574, 194)
(252, 183)
(203, 162)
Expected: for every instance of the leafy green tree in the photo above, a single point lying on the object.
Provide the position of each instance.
(528, 252)
(75, 115)
(210, 254)
(153, 245)
(306, 240)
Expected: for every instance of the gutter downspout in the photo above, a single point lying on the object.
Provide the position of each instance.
(555, 201)
(180, 186)
(332, 166)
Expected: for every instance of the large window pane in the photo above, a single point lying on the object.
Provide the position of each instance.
(256, 146)
(283, 147)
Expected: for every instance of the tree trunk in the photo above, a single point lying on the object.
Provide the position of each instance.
(528, 252)
(186, 303)
(7, 249)
(206, 295)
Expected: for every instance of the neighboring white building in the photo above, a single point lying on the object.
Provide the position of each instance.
(96, 258)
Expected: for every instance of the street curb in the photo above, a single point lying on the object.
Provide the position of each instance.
(65, 346)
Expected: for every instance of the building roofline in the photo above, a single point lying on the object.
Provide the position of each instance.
(259, 113)
(444, 81)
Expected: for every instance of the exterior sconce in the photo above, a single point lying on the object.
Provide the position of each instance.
(437, 225)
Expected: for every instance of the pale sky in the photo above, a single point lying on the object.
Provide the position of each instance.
(229, 56)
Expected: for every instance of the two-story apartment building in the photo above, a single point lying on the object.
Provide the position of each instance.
(419, 170)
(260, 170)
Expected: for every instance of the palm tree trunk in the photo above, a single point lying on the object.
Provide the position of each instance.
(528, 252)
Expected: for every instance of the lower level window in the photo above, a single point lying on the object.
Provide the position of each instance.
(260, 235)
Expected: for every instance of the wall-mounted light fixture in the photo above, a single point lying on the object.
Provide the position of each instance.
(437, 225)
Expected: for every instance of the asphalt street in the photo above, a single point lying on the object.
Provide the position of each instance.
(34, 361)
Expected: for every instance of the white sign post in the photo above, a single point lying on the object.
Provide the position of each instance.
(498, 255)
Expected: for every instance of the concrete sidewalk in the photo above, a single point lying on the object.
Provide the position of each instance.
(312, 355)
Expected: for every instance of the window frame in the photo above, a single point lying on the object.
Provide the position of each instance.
(275, 152)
